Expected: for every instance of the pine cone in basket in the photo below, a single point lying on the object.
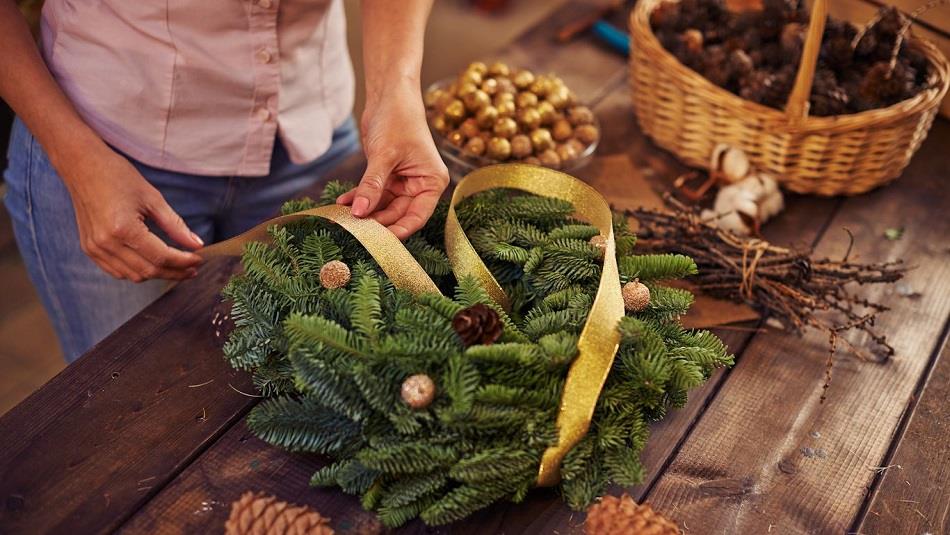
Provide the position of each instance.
(622, 516)
(477, 324)
(259, 514)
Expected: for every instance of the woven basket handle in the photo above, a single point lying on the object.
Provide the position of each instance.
(796, 109)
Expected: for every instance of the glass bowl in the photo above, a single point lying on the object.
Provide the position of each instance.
(460, 164)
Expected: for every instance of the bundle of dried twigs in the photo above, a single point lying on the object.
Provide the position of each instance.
(790, 285)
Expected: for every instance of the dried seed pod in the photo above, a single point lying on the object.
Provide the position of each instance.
(526, 99)
(523, 79)
(549, 158)
(499, 149)
(587, 134)
(562, 130)
(475, 147)
(476, 100)
(505, 127)
(455, 112)
(529, 118)
(548, 113)
(541, 139)
(486, 116)
(521, 146)
(499, 69)
(580, 115)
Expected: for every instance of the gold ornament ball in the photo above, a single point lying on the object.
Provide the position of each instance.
(499, 148)
(334, 274)
(636, 296)
(541, 86)
(559, 97)
(521, 146)
(562, 130)
(506, 109)
(576, 145)
(506, 85)
(503, 96)
(471, 77)
(476, 100)
(529, 118)
(486, 116)
(579, 115)
(445, 98)
(466, 88)
(490, 86)
(456, 138)
(549, 158)
(431, 97)
(499, 69)
(455, 111)
(469, 128)
(477, 66)
(600, 243)
(587, 133)
(418, 391)
(523, 79)
(439, 124)
(547, 112)
(526, 99)
(566, 152)
(505, 127)
(533, 160)
(541, 139)
(475, 146)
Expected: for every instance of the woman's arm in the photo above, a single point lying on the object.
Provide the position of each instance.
(404, 176)
(110, 197)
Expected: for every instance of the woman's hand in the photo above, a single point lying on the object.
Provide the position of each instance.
(404, 175)
(112, 201)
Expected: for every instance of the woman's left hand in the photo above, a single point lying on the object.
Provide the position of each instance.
(405, 176)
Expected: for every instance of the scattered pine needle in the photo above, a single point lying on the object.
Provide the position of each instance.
(244, 393)
(208, 382)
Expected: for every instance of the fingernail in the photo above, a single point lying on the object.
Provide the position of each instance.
(197, 238)
(360, 206)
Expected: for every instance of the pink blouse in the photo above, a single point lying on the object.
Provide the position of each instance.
(204, 86)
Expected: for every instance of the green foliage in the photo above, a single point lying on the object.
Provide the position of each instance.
(332, 362)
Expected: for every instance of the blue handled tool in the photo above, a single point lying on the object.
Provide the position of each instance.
(614, 37)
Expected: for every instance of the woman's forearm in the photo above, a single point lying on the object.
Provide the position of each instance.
(393, 35)
(29, 88)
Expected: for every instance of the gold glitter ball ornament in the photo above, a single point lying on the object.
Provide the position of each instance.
(600, 243)
(334, 274)
(469, 128)
(486, 116)
(476, 100)
(503, 96)
(562, 130)
(455, 111)
(523, 79)
(548, 113)
(478, 66)
(521, 146)
(499, 148)
(456, 138)
(505, 127)
(566, 152)
(541, 139)
(587, 133)
(549, 158)
(526, 99)
(532, 160)
(499, 69)
(475, 146)
(636, 296)
(529, 118)
(418, 391)
(506, 109)
(439, 125)
(490, 86)
(466, 88)
(580, 115)
(613, 516)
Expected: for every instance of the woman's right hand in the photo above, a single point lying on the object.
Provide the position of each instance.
(112, 201)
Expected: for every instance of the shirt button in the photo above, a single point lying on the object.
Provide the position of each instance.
(266, 4)
(263, 55)
(263, 114)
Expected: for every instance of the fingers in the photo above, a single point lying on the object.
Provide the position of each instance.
(347, 198)
(393, 212)
(416, 215)
(172, 223)
(367, 195)
(130, 251)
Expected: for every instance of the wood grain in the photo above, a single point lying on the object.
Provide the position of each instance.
(767, 454)
(914, 495)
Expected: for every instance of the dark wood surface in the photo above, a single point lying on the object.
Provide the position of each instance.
(145, 434)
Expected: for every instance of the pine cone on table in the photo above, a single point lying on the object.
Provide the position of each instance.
(259, 514)
(622, 516)
(477, 324)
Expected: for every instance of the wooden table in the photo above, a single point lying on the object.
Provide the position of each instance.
(146, 433)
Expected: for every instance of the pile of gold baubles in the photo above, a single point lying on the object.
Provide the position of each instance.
(504, 114)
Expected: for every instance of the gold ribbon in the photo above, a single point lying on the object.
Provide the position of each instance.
(599, 338)
(391, 255)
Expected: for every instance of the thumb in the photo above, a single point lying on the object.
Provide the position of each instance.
(366, 196)
(172, 223)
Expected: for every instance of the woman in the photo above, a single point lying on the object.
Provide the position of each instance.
(146, 129)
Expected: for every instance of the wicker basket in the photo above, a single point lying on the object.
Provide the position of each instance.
(841, 155)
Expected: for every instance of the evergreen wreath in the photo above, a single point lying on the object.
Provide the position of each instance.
(332, 362)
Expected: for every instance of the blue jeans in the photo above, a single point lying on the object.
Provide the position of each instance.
(86, 304)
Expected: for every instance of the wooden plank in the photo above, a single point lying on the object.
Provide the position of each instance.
(914, 494)
(767, 454)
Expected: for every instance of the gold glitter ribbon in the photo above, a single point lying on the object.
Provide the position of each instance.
(599, 339)
(391, 255)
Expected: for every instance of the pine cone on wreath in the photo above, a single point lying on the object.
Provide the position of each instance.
(477, 324)
(259, 514)
(622, 516)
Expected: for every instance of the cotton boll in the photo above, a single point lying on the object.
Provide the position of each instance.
(772, 204)
(731, 163)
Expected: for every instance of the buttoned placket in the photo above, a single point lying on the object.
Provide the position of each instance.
(266, 68)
